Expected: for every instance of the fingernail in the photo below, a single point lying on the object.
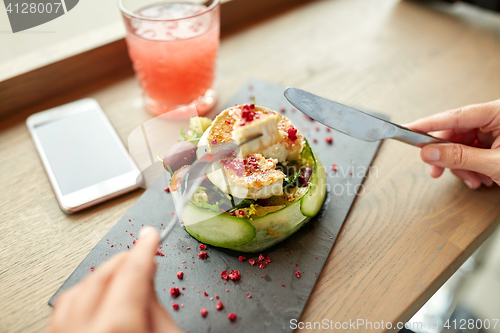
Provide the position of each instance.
(431, 153)
(147, 232)
(468, 183)
(487, 182)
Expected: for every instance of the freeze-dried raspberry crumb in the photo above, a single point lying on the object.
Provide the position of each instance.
(241, 258)
(203, 255)
(217, 296)
(315, 140)
(219, 306)
(175, 306)
(335, 167)
(234, 275)
(283, 285)
(297, 273)
(329, 140)
(168, 190)
(251, 261)
(232, 316)
(204, 312)
(174, 291)
(249, 296)
(316, 128)
(292, 133)
(282, 110)
(180, 274)
(224, 274)
(263, 261)
(202, 247)
(91, 268)
(328, 129)
(159, 253)
(188, 248)
(205, 293)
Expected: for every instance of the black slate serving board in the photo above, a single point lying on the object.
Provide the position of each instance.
(278, 296)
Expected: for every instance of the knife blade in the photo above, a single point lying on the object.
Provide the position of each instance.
(353, 122)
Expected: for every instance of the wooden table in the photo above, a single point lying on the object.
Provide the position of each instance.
(404, 236)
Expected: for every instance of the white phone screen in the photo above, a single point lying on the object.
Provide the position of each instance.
(81, 150)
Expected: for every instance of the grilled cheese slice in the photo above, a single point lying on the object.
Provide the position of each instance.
(252, 177)
(260, 123)
(252, 172)
(290, 146)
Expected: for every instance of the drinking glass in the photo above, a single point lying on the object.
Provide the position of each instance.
(173, 46)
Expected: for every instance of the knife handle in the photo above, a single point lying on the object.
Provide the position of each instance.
(417, 139)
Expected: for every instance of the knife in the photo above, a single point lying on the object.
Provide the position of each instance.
(193, 178)
(352, 122)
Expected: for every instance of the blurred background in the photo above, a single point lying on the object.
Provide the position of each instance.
(473, 292)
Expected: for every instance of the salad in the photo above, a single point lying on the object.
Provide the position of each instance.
(256, 196)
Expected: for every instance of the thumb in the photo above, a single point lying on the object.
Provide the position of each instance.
(457, 156)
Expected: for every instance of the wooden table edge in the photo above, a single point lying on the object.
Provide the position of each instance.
(447, 273)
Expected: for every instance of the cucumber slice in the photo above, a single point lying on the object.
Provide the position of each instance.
(242, 234)
(217, 229)
(254, 235)
(313, 200)
(275, 227)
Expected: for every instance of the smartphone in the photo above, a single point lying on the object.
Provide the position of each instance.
(84, 158)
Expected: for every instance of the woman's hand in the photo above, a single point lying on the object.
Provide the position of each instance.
(475, 157)
(117, 297)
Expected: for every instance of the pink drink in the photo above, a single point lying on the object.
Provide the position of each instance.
(173, 47)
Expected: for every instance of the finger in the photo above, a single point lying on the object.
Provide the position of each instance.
(472, 116)
(487, 181)
(436, 171)
(137, 272)
(449, 134)
(92, 289)
(470, 178)
(161, 320)
(63, 316)
(496, 143)
(457, 156)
